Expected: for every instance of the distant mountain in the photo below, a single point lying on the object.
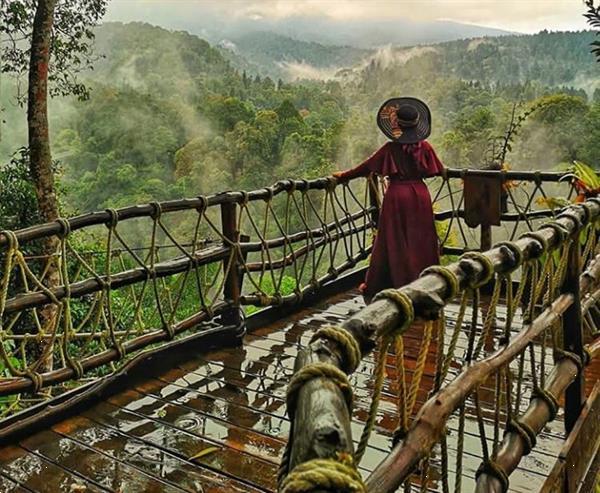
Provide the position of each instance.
(547, 58)
(281, 56)
(363, 33)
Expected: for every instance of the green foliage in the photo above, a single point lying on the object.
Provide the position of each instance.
(71, 46)
(18, 207)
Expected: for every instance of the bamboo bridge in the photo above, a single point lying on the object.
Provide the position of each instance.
(218, 344)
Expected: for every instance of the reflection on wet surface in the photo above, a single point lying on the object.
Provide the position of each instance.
(217, 423)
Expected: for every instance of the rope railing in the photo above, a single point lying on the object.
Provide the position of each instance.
(138, 276)
(502, 365)
(525, 201)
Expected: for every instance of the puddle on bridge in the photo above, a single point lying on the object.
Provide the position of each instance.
(218, 424)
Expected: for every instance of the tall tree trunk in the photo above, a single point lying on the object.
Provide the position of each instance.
(39, 149)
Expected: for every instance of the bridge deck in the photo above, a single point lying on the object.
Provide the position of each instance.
(218, 423)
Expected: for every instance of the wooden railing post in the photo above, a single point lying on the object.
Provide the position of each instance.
(573, 336)
(232, 287)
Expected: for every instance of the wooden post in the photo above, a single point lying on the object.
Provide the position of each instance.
(573, 337)
(232, 286)
(485, 239)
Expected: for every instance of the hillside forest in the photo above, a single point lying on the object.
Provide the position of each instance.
(170, 115)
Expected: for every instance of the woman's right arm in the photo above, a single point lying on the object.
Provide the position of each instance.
(371, 165)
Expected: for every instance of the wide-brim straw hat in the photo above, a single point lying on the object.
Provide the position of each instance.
(405, 132)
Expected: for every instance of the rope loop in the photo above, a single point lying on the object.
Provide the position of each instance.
(203, 205)
(587, 211)
(113, 218)
(291, 188)
(245, 198)
(270, 194)
(37, 380)
(534, 235)
(579, 223)
(310, 372)
(404, 305)
(298, 293)
(315, 284)
(77, 368)
(11, 237)
(156, 210)
(490, 468)
(558, 228)
(346, 341)
(452, 284)
(488, 269)
(517, 253)
(537, 178)
(65, 227)
(169, 329)
(332, 271)
(324, 475)
(548, 398)
(120, 349)
(561, 354)
(524, 431)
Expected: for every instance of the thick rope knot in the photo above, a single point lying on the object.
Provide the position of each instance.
(524, 431)
(331, 183)
(548, 398)
(37, 380)
(113, 218)
(65, 227)
(558, 228)
(561, 354)
(452, 284)
(537, 237)
(290, 186)
(348, 344)
(488, 269)
(156, 210)
(579, 223)
(492, 469)
(517, 255)
(310, 372)
(587, 212)
(202, 205)
(404, 305)
(270, 194)
(11, 237)
(324, 475)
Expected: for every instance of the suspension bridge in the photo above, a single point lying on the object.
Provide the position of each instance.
(218, 344)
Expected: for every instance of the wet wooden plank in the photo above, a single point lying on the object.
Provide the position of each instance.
(36, 473)
(186, 443)
(150, 460)
(7, 485)
(93, 466)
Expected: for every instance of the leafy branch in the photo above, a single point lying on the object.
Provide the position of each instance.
(593, 18)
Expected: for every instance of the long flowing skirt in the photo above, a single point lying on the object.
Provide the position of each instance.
(406, 240)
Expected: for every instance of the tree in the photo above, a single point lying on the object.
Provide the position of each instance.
(59, 34)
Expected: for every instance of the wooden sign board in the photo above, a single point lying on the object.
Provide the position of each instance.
(482, 201)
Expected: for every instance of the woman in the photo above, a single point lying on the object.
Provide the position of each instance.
(406, 241)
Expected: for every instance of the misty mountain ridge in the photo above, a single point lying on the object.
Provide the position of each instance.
(359, 33)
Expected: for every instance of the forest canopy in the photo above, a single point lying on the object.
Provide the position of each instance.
(170, 115)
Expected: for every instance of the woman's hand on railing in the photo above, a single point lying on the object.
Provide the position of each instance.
(339, 176)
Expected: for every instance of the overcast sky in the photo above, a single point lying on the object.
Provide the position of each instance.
(526, 16)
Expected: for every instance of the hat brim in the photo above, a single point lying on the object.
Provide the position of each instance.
(404, 135)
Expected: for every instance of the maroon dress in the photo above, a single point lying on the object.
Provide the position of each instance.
(406, 240)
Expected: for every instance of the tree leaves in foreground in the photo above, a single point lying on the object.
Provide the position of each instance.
(71, 45)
